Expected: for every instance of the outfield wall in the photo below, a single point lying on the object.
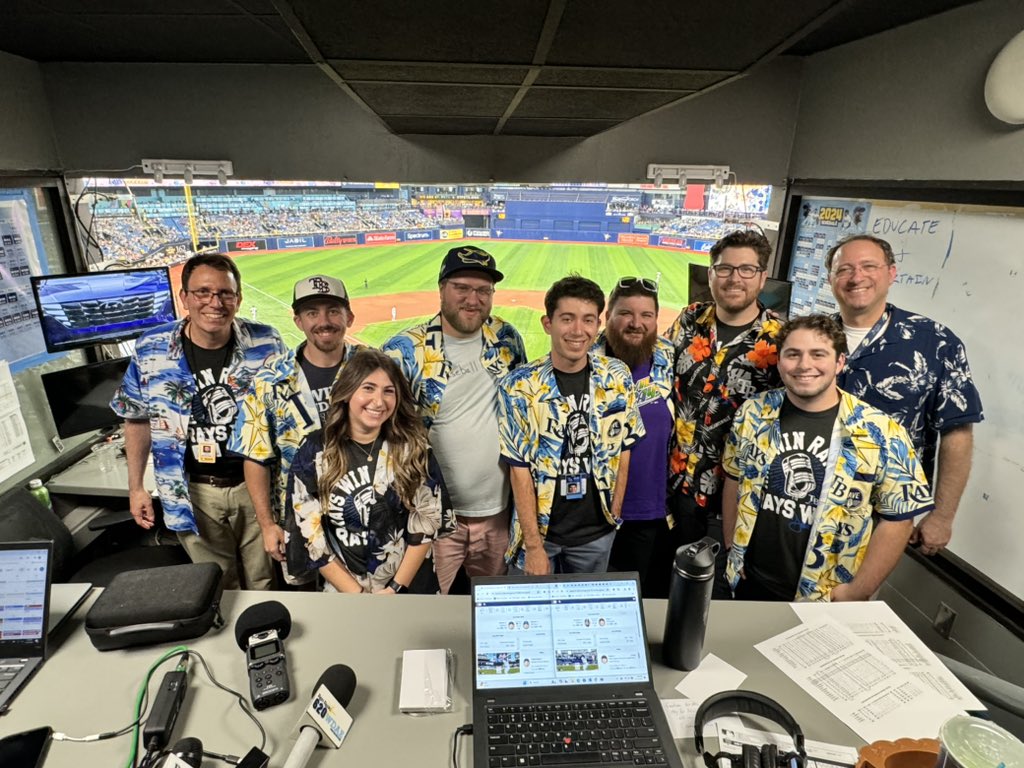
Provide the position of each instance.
(308, 242)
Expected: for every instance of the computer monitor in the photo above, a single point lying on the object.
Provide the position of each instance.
(775, 294)
(80, 310)
(79, 397)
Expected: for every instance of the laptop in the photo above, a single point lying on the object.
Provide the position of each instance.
(562, 674)
(24, 606)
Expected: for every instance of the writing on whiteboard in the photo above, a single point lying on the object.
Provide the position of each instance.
(885, 226)
(912, 279)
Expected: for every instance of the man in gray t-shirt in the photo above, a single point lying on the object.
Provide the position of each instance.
(453, 363)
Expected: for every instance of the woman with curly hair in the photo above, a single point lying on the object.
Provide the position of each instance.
(365, 496)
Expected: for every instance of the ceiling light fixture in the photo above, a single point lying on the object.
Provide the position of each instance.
(188, 169)
(684, 174)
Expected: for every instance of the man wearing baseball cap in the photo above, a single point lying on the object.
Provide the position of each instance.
(288, 400)
(453, 363)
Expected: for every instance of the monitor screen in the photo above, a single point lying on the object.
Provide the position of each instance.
(102, 307)
(79, 397)
(775, 294)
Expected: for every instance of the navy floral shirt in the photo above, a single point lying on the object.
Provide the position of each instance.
(915, 370)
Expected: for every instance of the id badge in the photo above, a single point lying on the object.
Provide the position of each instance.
(206, 452)
(574, 487)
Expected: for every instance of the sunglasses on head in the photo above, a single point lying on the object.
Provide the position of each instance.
(648, 285)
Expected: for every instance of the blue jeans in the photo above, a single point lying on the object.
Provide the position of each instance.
(591, 557)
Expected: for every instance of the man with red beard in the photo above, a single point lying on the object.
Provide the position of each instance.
(725, 352)
(288, 400)
(453, 363)
(642, 542)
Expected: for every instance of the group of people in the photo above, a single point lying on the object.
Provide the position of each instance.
(807, 449)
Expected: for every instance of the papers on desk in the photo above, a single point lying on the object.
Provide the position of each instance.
(712, 676)
(17, 453)
(866, 667)
(732, 736)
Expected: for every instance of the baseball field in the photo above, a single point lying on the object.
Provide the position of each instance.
(400, 282)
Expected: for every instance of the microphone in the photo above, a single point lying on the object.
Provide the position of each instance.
(186, 753)
(325, 721)
(259, 632)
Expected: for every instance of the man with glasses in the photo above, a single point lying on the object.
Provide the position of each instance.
(179, 399)
(725, 352)
(288, 400)
(642, 542)
(453, 363)
(910, 367)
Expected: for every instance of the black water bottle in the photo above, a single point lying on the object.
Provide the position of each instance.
(686, 618)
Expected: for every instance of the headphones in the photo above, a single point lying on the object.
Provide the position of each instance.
(750, 703)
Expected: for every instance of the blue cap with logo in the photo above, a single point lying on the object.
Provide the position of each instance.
(469, 257)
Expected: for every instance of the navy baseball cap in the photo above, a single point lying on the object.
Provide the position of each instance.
(469, 257)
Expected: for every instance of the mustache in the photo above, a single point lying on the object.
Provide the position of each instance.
(322, 328)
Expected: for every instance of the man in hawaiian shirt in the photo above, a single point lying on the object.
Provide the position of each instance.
(453, 363)
(288, 400)
(912, 368)
(807, 467)
(725, 352)
(643, 543)
(566, 424)
(179, 398)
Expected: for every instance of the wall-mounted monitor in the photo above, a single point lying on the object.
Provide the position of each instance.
(80, 310)
(79, 397)
(775, 294)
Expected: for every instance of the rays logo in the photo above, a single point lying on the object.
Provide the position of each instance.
(855, 499)
(319, 285)
(474, 256)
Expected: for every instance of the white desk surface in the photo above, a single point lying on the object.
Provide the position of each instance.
(84, 478)
(81, 691)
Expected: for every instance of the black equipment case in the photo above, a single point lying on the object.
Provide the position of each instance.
(156, 605)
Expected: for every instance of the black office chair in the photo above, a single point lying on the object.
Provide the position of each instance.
(23, 517)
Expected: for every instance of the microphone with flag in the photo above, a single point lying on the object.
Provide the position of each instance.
(325, 721)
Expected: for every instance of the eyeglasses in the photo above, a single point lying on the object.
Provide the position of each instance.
(205, 295)
(462, 290)
(846, 271)
(746, 271)
(648, 285)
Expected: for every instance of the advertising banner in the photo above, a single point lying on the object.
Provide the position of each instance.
(478, 233)
(633, 238)
(419, 234)
(305, 241)
(701, 246)
(340, 240)
(379, 238)
(451, 234)
(672, 242)
(259, 244)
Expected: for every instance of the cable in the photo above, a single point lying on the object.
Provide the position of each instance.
(241, 699)
(462, 730)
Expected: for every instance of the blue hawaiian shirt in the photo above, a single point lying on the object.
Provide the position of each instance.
(532, 415)
(419, 352)
(158, 387)
(915, 370)
(872, 469)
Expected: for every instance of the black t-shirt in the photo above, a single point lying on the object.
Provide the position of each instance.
(365, 517)
(320, 381)
(778, 544)
(576, 516)
(726, 333)
(214, 408)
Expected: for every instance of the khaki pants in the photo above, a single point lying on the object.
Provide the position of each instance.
(478, 544)
(228, 536)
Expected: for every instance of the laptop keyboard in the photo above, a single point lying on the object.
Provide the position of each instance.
(580, 733)
(9, 669)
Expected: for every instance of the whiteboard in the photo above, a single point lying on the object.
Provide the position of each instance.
(964, 267)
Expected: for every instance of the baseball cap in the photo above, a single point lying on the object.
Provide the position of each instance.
(318, 287)
(469, 257)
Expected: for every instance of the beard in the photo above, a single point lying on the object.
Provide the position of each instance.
(630, 352)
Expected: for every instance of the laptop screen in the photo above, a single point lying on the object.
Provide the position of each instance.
(24, 580)
(562, 632)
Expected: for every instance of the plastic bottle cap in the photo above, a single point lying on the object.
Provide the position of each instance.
(35, 483)
(968, 742)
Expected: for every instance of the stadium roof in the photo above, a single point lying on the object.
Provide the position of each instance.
(513, 67)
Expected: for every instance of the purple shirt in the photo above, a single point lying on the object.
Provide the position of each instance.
(647, 486)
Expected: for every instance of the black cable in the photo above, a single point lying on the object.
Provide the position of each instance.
(462, 730)
(241, 699)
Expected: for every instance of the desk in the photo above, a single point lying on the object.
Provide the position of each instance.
(84, 478)
(81, 691)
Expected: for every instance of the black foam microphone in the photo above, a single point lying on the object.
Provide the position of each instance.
(260, 632)
(325, 721)
(186, 753)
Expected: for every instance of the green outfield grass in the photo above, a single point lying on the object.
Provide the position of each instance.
(268, 278)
